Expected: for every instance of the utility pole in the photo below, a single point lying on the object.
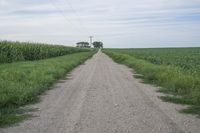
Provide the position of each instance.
(91, 40)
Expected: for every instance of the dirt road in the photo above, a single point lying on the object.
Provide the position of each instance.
(103, 97)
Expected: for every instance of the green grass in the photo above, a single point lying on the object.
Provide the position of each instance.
(185, 58)
(12, 115)
(22, 82)
(177, 100)
(17, 51)
(192, 110)
(184, 84)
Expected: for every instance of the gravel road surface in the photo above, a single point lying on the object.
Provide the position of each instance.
(101, 96)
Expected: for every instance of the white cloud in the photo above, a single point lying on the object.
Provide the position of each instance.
(118, 23)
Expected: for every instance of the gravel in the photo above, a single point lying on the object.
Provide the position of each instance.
(104, 97)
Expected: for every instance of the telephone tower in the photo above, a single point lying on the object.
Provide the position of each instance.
(91, 37)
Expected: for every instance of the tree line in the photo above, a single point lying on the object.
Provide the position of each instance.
(96, 44)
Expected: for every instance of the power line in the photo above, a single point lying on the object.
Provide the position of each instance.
(63, 14)
(74, 11)
(78, 17)
(91, 40)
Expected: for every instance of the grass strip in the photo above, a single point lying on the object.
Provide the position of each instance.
(21, 51)
(177, 100)
(22, 82)
(173, 79)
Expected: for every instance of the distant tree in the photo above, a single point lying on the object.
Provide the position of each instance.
(83, 44)
(97, 44)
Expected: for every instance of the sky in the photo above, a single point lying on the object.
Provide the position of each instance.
(117, 23)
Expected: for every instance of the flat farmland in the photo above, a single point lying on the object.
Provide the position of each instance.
(186, 58)
(175, 70)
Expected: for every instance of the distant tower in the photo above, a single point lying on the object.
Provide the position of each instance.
(91, 40)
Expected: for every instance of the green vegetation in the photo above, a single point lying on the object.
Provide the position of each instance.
(177, 100)
(83, 45)
(192, 110)
(22, 82)
(97, 44)
(176, 70)
(16, 51)
(186, 58)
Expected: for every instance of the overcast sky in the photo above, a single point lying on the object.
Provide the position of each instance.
(117, 23)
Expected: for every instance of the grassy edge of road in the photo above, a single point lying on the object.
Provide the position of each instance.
(182, 86)
(22, 82)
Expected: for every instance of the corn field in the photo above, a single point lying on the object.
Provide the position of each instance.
(16, 51)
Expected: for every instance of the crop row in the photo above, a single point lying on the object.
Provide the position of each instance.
(186, 58)
(16, 51)
(22, 82)
(167, 69)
